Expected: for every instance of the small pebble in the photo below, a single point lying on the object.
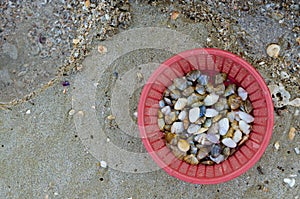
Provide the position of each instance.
(246, 117)
(177, 127)
(180, 104)
(135, 114)
(66, 83)
(211, 99)
(211, 112)
(194, 114)
(111, 117)
(71, 112)
(292, 133)
(223, 126)
(103, 164)
(297, 150)
(229, 142)
(28, 112)
(290, 181)
(276, 145)
(242, 93)
(102, 49)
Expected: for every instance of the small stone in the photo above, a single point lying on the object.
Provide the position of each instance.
(180, 104)
(169, 137)
(297, 150)
(229, 142)
(180, 83)
(220, 78)
(191, 159)
(188, 91)
(174, 15)
(234, 102)
(201, 130)
(194, 114)
(200, 89)
(161, 103)
(244, 127)
(218, 159)
(242, 93)
(237, 136)
(292, 133)
(214, 129)
(203, 80)
(161, 124)
(28, 112)
(276, 145)
(102, 49)
(177, 127)
(202, 153)
(211, 112)
(230, 90)
(71, 112)
(216, 150)
(193, 75)
(135, 114)
(166, 110)
(103, 164)
(213, 138)
(211, 99)
(246, 117)
(170, 118)
(231, 116)
(111, 117)
(182, 115)
(290, 181)
(223, 126)
(273, 50)
(183, 145)
(193, 128)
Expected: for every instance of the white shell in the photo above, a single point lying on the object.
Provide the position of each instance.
(180, 104)
(246, 117)
(193, 128)
(194, 114)
(244, 127)
(177, 127)
(182, 115)
(273, 50)
(229, 142)
(210, 112)
(211, 99)
(242, 93)
(223, 126)
(237, 136)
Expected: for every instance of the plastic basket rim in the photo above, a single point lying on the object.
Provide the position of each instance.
(269, 127)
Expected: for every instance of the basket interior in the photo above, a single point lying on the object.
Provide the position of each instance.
(208, 64)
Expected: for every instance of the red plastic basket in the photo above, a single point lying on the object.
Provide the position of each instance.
(209, 61)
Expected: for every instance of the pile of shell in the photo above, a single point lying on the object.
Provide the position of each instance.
(204, 119)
